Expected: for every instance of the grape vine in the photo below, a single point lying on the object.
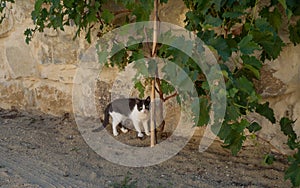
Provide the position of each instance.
(242, 34)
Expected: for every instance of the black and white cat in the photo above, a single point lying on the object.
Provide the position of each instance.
(137, 110)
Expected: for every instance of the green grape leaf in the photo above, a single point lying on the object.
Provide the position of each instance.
(171, 71)
(92, 17)
(38, 4)
(163, 1)
(166, 87)
(232, 92)
(183, 81)
(217, 4)
(286, 126)
(119, 57)
(274, 17)
(234, 142)
(254, 127)
(247, 46)
(221, 46)
(136, 55)
(266, 111)
(240, 126)
(244, 84)
(232, 15)
(102, 57)
(293, 172)
(295, 33)
(107, 16)
(68, 4)
(204, 111)
(211, 21)
(232, 113)
(269, 159)
(233, 135)
(152, 67)
(267, 38)
(141, 68)
(141, 88)
(283, 3)
(251, 60)
(253, 70)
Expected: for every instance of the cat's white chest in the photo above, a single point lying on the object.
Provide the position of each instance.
(139, 115)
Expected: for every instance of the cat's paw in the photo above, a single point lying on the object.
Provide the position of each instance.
(124, 130)
(115, 133)
(140, 135)
(147, 133)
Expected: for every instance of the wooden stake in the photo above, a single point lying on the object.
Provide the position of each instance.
(153, 122)
(153, 54)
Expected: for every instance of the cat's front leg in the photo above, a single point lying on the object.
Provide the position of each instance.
(146, 127)
(136, 125)
(114, 127)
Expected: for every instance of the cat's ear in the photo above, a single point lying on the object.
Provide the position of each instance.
(137, 101)
(148, 99)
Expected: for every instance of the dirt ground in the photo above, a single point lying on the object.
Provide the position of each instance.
(38, 150)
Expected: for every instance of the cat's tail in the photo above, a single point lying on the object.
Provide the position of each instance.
(105, 121)
(106, 116)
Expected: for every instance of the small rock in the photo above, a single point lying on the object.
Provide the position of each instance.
(93, 176)
(66, 174)
(70, 137)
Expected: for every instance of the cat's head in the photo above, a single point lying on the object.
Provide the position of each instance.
(143, 105)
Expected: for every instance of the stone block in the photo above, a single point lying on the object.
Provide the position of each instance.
(53, 97)
(20, 60)
(7, 24)
(12, 94)
(60, 49)
(57, 72)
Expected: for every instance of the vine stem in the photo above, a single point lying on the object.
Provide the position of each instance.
(267, 141)
(170, 96)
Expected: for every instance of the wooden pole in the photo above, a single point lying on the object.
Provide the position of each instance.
(153, 54)
(153, 122)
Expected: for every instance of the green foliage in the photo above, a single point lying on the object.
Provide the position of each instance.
(232, 28)
(295, 33)
(293, 172)
(141, 8)
(126, 183)
(85, 15)
(233, 135)
(141, 88)
(286, 126)
(58, 14)
(247, 46)
(204, 111)
(239, 32)
(3, 5)
(266, 111)
(269, 159)
(254, 127)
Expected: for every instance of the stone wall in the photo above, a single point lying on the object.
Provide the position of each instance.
(40, 76)
(280, 85)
